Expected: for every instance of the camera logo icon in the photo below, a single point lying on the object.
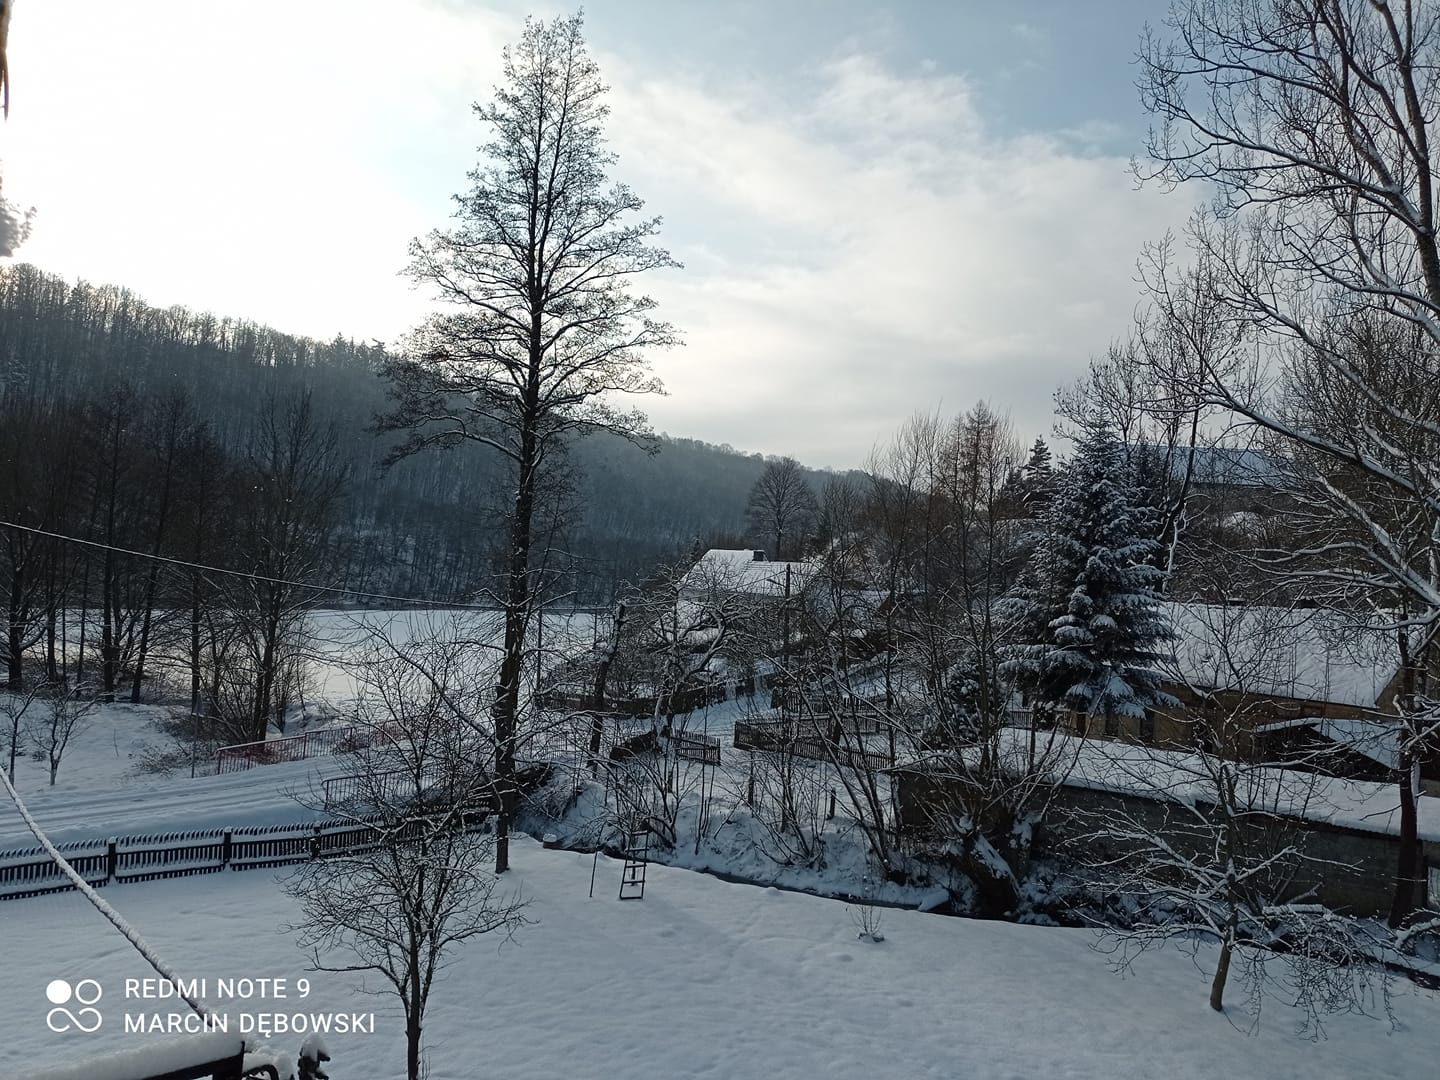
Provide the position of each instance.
(85, 993)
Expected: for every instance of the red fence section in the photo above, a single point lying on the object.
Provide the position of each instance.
(243, 756)
(331, 740)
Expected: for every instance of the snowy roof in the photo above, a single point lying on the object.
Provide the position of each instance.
(1228, 466)
(153, 1059)
(1304, 653)
(1380, 742)
(1180, 776)
(738, 570)
(1110, 765)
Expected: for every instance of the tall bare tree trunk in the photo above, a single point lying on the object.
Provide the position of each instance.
(518, 600)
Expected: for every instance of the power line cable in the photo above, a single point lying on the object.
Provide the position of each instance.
(339, 590)
(111, 915)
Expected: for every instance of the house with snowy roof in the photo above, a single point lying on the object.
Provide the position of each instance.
(1226, 468)
(1243, 668)
(1351, 828)
(744, 571)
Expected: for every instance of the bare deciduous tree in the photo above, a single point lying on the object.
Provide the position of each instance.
(13, 707)
(1313, 121)
(399, 904)
(1214, 847)
(287, 517)
(545, 329)
(67, 711)
(782, 507)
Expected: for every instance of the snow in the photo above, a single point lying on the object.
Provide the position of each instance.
(340, 635)
(1380, 742)
(1306, 653)
(100, 793)
(702, 978)
(103, 753)
(155, 1058)
(1111, 765)
(259, 796)
(737, 570)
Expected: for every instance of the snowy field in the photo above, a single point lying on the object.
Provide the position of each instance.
(701, 978)
(101, 791)
(340, 637)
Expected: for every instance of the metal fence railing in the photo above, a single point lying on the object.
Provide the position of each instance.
(242, 756)
(322, 741)
(118, 860)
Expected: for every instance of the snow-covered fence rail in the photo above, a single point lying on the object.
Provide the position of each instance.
(213, 1056)
(118, 860)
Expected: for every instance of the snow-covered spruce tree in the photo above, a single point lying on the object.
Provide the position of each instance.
(542, 328)
(1089, 601)
(1036, 478)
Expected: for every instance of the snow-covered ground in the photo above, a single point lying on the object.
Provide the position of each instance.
(101, 790)
(104, 753)
(341, 636)
(260, 796)
(701, 978)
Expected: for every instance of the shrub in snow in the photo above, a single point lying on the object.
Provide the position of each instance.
(866, 918)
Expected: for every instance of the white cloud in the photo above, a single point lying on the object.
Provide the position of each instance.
(858, 249)
(934, 260)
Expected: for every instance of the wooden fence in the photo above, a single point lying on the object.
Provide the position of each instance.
(682, 701)
(691, 747)
(806, 740)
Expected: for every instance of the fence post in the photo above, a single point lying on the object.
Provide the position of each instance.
(226, 846)
(315, 843)
(112, 860)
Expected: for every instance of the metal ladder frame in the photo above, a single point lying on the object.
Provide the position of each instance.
(637, 858)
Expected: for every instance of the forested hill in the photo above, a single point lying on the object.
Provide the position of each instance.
(73, 356)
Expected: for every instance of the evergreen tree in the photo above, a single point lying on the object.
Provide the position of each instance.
(1038, 467)
(1088, 604)
(1037, 479)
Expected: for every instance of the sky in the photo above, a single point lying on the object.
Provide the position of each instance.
(881, 209)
